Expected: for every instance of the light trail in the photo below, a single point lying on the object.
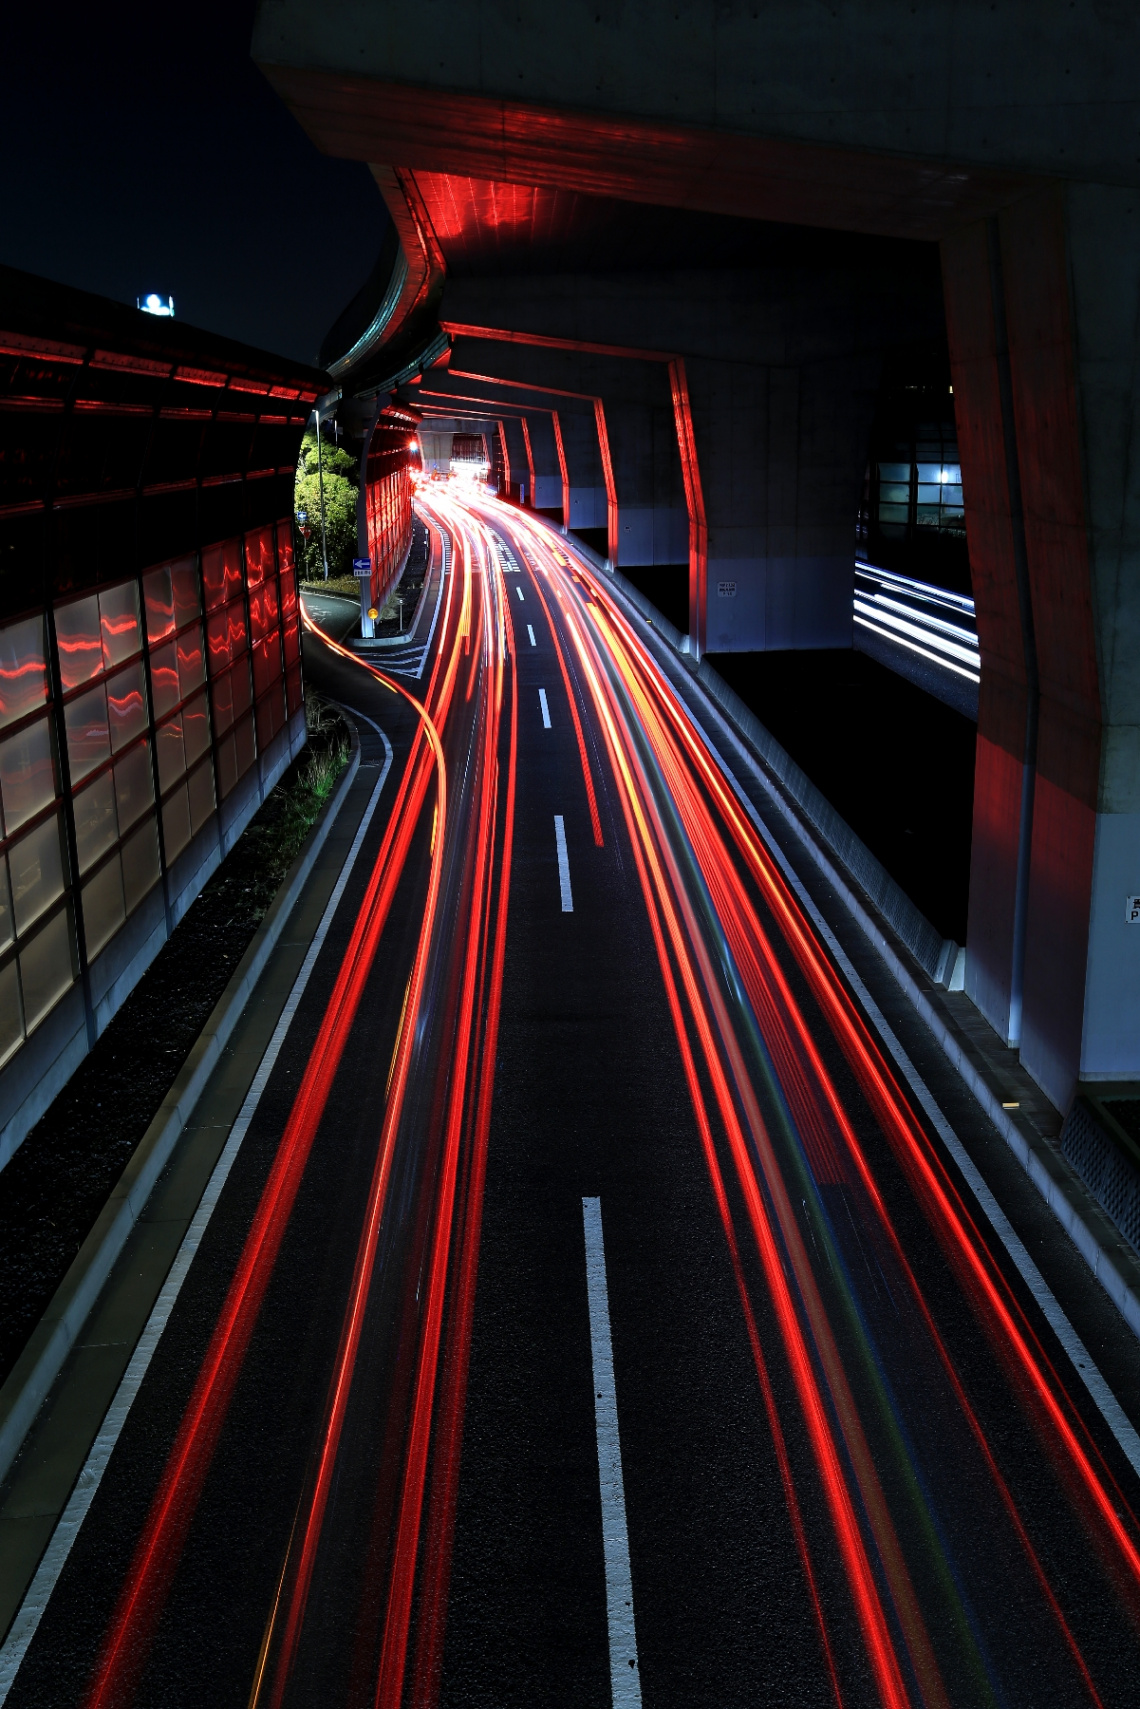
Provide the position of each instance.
(820, 1171)
(700, 863)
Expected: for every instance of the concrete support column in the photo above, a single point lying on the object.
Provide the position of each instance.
(1070, 282)
(547, 469)
(653, 523)
(1008, 700)
(782, 454)
(587, 506)
(516, 456)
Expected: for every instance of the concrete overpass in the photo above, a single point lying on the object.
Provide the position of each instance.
(714, 221)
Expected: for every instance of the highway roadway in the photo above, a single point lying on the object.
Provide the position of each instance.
(597, 1310)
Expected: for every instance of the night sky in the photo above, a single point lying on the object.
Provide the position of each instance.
(144, 151)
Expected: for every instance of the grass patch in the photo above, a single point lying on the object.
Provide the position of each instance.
(347, 587)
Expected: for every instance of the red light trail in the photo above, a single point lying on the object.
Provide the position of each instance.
(809, 1146)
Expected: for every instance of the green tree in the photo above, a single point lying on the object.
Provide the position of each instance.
(340, 481)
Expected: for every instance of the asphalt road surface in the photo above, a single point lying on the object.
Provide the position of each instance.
(592, 1315)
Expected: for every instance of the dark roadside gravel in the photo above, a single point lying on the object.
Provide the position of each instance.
(58, 1181)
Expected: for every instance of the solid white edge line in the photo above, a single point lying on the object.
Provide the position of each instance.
(434, 615)
(1110, 1409)
(38, 1594)
(545, 709)
(530, 632)
(625, 1682)
(563, 864)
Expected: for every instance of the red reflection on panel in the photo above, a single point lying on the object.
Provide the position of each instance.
(191, 662)
(263, 609)
(284, 546)
(23, 673)
(292, 641)
(195, 729)
(80, 642)
(126, 706)
(221, 572)
(294, 690)
(158, 597)
(235, 619)
(288, 585)
(217, 642)
(164, 678)
(119, 623)
(259, 561)
(184, 579)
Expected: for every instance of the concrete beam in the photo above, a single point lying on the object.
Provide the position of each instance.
(880, 117)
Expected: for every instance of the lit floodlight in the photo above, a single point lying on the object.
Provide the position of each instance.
(153, 304)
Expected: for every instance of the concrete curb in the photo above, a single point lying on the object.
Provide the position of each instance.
(1042, 1167)
(42, 1359)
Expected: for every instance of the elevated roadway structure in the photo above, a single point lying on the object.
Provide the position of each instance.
(715, 220)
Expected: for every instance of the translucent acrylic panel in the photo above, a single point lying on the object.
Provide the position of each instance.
(140, 864)
(258, 614)
(126, 705)
(235, 617)
(259, 560)
(191, 660)
(23, 671)
(171, 753)
(269, 595)
(221, 572)
(284, 545)
(11, 1012)
(159, 598)
(241, 689)
(88, 735)
(221, 696)
(35, 866)
(47, 969)
(292, 638)
(96, 826)
(225, 756)
(270, 716)
(164, 679)
(103, 907)
(7, 928)
(175, 824)
(294, 693)
(217, 642)
(134, 785)
(200, 788)
(119, 620)
(27, 774)
(195, 729)
(187, 602)
(80, 641)
(245, 746)
(288, 584)
(266, 663)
